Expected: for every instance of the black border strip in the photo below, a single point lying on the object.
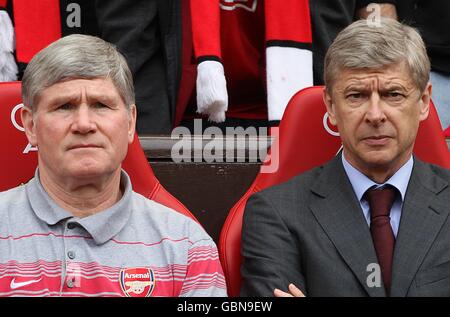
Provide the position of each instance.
(286, 43)
(208, 58)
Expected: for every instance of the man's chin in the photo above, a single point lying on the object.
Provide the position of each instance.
(85, 172)
(378, 158)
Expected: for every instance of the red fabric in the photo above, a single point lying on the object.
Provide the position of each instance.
(206, 27)
(3, 3)
(16, 166)
(244, 62)
(303, 143)
(214, 29)
(288, 20)
(380, 202)
(430, 144)
(37, 24)
(238, 36)
(447, 132)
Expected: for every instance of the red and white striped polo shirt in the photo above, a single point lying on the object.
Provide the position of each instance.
(135, 248)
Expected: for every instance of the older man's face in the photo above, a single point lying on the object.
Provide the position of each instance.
(82, 128)
(377, 112)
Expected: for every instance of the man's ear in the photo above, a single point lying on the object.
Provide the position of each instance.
(131, 123)
(328, 100)
(29, 125)
(424, 102)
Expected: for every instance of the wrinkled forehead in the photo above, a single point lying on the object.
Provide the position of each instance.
(375, 78)
(75, 90)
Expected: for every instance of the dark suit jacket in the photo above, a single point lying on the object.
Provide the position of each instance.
(148, 33)
(311, 231)
(328, 18)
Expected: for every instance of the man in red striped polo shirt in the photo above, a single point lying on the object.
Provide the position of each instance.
(77, 228)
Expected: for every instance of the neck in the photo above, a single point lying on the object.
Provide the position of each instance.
(379, 173)
(379, 176)
(83, 198)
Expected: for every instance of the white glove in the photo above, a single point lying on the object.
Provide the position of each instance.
(212, 96)
(8, 66)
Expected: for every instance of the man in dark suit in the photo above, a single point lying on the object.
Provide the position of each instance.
(374, 220)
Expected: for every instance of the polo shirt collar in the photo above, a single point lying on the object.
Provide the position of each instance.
(102, 226)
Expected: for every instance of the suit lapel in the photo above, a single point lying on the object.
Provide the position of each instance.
(423, 215)
(339, 213)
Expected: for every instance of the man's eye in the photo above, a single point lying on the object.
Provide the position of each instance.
(99, 105)
(66, 106)
(356, 95)
(395, 95)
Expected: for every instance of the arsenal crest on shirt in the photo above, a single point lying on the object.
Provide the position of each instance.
(137, 282)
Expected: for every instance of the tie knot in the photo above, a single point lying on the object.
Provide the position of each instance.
(380, 200)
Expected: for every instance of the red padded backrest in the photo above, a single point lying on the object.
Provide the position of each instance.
(303, 143)
(18, 163)
(145, 182)
(17, 160)
(447, 132)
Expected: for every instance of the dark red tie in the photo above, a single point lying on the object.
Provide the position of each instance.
(380, 202)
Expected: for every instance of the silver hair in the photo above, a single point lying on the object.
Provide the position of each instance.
(367, 45)
(77, 56)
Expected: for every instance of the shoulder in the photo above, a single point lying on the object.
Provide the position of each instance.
(14, 206)
(431, 181)
(12, 197)
(440, 171)
(427, 171)
(296, 187)
(284, 200)
(294, 195)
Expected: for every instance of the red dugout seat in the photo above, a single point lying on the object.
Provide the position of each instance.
(18, 160)
(306, 140)
(447, 132)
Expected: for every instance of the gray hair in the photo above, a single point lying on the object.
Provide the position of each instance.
(77, 56)
(363, 44)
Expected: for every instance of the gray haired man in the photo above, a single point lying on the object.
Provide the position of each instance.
(77, 228)
(372, 221)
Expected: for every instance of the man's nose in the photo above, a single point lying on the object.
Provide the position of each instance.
(83, 121)
(375, 111)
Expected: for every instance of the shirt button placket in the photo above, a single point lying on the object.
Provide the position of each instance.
(72, 274)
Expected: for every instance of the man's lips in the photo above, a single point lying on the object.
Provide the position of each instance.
(377, 140)
(83, 146)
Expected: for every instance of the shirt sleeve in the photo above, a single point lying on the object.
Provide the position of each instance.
(271, 256)
(204, 275)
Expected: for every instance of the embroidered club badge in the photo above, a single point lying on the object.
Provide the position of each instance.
(137, 282)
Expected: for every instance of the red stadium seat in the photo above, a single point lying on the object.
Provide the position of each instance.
(447, 132)
(18, 160)
(306, 140)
